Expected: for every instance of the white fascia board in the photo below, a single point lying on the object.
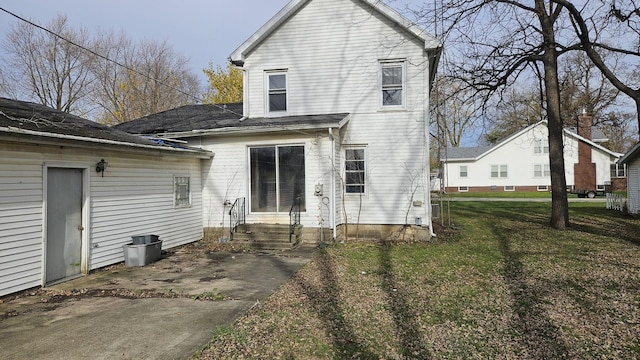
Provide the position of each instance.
(247, 130)
(510, 138)
(237, 57)
(631, 154)
(58, 139)
(430, 43)
(600, 147)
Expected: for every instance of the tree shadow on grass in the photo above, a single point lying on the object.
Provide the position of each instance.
(542, 338)
(324, 299)
(404, 317)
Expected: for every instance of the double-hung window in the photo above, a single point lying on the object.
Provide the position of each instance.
(541, 146)
(618, 170)
(182, 191)
(354, 170)
(541, 170)
(499, 171)
(463, 171)
(276, 91)
(393, 83)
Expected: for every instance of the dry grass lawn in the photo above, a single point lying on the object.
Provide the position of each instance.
(502, 285)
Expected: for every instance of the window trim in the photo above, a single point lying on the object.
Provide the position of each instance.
(615, 170)
(542, 188)
(403, 87)
(545, 170)
(499, 171)
(177, 202)
(509, 188)
(463, 189)
(364, 171)
(466, 171)
(540, 146)
(267, 92)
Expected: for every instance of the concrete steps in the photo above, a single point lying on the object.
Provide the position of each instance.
(268, 236)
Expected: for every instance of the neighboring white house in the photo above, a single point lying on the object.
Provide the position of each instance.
(521, 163)
(335, 112)
(60, 217)
(632, 161)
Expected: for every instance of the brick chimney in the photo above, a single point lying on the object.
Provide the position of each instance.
(585, 122)
(585, 170)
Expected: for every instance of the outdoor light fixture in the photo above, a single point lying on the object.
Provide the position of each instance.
(101, 166)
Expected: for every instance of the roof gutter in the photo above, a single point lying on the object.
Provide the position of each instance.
(202, 154)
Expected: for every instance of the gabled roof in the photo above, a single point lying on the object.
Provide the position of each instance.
(238, 56)
(199, 120)
(476, 153)
(633, 153)
(30, 122)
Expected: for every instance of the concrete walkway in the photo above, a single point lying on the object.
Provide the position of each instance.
(126, 313)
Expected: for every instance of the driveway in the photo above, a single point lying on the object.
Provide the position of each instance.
(165, 310)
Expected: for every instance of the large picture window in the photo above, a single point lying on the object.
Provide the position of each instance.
(277, 91)
(277, 178)
(354, 171)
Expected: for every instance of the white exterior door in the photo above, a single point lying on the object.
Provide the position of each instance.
(64, 223)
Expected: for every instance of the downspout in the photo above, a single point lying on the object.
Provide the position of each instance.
(332, 217)
(426, 182)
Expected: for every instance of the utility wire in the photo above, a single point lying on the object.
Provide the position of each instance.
(148, 77)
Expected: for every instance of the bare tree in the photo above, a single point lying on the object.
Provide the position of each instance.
(455, 112)
(143, 79)
(48, 68)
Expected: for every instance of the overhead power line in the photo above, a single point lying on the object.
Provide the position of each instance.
(148, 77)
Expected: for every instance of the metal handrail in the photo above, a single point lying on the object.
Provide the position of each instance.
(236, 216)
(294, 216)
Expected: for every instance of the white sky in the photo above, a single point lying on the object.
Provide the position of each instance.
(202, 30)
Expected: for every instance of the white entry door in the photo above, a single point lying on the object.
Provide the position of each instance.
(64, 223)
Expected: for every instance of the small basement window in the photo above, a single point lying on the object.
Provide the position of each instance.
(543, 188)
(509, 188)
(463, 188)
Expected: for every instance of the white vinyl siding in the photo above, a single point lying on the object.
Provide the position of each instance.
(135, 197)
(633, 186)
(227, 177)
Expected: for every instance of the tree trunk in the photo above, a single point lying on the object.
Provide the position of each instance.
(559, 203)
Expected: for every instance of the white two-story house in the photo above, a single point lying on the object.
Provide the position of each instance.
(335, 114)
(521, 163)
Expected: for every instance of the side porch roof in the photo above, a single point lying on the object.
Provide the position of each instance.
(211, 120)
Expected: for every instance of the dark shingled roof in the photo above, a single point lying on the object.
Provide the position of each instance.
(30, 116)
(184, 118)
(193, 118)
(23, 119)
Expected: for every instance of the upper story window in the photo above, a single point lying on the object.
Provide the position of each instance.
(499, 171)
(276, 91)
(463, 171)
(393, 83)
(541, 146)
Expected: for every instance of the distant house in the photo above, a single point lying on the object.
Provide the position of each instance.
(60, 217)
(632, 162)
(521, 162)
(335, 114)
